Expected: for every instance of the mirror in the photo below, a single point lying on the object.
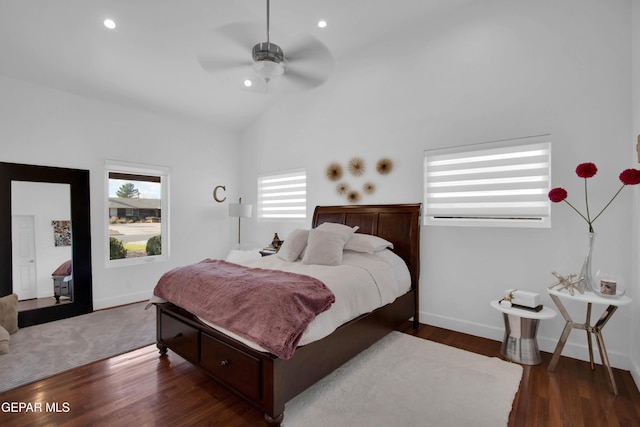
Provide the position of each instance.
(45, 229)
(41, 244)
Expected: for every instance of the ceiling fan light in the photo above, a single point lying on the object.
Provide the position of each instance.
(109, 23)
(267, 70)
(268, 60)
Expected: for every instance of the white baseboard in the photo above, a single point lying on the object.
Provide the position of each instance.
(120, 300)
(547, 344)
(635, 374)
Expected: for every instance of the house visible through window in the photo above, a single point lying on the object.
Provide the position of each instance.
(282, 195)
(502, 183)
(137, 213)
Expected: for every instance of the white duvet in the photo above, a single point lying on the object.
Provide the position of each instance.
(361, 284)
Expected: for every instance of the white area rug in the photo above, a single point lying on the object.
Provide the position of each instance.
(40, 351)
(406, 381)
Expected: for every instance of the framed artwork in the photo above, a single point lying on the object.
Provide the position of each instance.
(61, 233)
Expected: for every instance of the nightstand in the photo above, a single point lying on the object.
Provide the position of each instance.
(589, 298)
(520, 344)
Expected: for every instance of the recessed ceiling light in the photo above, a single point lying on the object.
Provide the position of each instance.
(248, 83)
(109, 23)
(322, 23)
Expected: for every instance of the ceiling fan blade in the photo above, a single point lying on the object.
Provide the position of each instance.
(304, 80)
(228, 48)
(243, 34)
(306, 47)
(212, 63)
(309, 62)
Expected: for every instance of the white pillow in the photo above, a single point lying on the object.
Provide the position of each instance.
(367, 243)
(323, 248)
(344, 230)
(293, 245)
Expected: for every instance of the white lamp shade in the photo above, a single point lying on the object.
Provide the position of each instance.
(240, 210)
(267, 70)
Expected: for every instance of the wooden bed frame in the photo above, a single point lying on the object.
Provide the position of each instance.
(269, 382)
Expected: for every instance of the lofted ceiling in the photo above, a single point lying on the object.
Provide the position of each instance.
(150, 61)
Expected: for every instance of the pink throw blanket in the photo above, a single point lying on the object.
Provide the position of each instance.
(269, 307)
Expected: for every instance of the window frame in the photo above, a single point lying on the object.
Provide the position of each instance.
(162, 172)
(533, 208)
(282, 174)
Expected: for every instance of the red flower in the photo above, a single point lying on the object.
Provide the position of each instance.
(630, 176)
(557, 195)
(586, 170)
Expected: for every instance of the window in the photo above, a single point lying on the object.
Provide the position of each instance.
(282, 195)
(137, 220)
(503, 184)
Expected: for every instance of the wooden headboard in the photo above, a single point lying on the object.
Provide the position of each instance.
(399, 224)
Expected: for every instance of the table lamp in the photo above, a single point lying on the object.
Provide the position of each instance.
(240, 211)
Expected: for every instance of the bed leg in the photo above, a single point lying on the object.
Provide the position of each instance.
(163, 348)
(416, 321)
(274, 421)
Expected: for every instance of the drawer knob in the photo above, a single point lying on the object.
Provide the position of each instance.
(225, 362)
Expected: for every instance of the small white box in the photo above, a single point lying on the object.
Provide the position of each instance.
(526, 299)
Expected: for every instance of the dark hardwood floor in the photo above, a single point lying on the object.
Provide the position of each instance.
(142, 389)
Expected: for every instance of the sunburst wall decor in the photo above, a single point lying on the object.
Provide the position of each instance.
(384, 166)
(357, 169)
(368, 187)
(334, 171)
(357, 166)
(353, 196)
(342, 188)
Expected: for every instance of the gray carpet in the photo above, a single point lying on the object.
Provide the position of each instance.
(40, 351)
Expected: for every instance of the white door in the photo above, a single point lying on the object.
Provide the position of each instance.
(24, 256)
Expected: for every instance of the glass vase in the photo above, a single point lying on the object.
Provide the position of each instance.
(586, 273)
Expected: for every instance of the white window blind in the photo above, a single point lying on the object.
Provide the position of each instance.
(502, 183)
(283, 195)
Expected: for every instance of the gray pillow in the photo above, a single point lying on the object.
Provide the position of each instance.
(293, 245)
(344, 230)
(324, 248)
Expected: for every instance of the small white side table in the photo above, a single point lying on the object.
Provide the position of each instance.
(590, 298)
(520, 328)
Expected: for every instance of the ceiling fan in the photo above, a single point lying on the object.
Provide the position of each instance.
(306, 63)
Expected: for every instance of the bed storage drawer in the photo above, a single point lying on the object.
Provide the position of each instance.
(236, 368)
(180, 337)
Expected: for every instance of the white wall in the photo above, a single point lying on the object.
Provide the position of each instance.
(48, 127)
(495, 70)
(635, 227)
